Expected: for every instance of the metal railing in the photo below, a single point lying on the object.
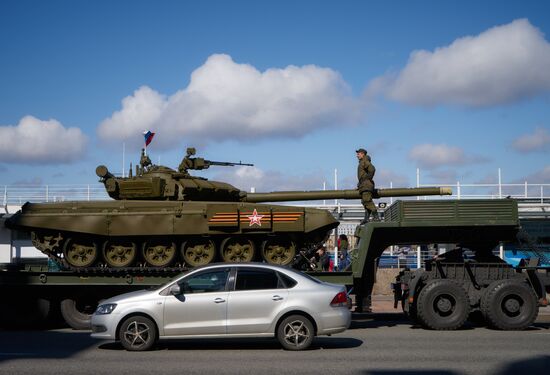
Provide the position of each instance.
(528, 192)
(19, 194)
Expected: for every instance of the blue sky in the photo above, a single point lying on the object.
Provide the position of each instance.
(457, 89)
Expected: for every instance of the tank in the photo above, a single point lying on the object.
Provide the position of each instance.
(161, 217)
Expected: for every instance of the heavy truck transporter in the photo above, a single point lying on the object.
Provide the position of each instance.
(440, 296)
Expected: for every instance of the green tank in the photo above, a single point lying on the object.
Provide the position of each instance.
(161, 217)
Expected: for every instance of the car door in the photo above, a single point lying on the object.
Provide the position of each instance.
(258, 296)
(201, 308)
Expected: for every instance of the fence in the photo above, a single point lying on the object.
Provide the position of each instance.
(19, 194)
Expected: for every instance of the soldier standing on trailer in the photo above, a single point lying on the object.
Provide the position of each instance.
(365, 184)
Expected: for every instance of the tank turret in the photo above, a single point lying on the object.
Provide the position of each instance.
(157, 182)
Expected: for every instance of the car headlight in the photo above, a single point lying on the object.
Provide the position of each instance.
(105, 309)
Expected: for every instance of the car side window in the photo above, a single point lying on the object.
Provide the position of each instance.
(287, 281)
(205, 282)
(255, 279)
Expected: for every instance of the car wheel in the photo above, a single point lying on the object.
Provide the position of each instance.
(295, 332)
(138, 333)
(442, 305)
(509, 305)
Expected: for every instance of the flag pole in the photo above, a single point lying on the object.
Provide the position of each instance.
(123, 156)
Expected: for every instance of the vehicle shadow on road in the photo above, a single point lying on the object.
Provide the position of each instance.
(377, 320)
(43, 344)
(242, 344)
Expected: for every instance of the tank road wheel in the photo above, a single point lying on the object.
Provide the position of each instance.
(443, 305)
(198, 252)
(237, 249)
(119, 253)
(80, 253)
(159, 254)
(509, 305)
(278, 251)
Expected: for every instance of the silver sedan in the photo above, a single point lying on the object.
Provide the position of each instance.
(227, 300)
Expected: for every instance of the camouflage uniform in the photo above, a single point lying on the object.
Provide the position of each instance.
(145, 161)
(188, 161)
(365, 185)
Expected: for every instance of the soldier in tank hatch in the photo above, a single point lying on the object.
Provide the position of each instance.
(144, 161)
(365, 184)
(187, 162)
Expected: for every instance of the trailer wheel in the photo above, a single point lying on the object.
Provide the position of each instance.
(77, 314)
(509, 305)
(443, 305)
(29, 312)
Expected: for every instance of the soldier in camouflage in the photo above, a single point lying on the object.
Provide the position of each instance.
(144, 161)
(365, 184)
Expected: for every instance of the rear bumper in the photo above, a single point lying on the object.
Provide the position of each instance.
(335, 321)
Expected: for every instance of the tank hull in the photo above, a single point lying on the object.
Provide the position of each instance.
(164, 233)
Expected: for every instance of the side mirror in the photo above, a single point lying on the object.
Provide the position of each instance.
(175, 290)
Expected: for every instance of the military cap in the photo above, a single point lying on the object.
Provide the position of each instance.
(362, 150)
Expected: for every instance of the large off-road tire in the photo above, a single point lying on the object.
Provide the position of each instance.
(137, 333)
(78, 314)
(295, 332)
(442, 305)
(509, 305)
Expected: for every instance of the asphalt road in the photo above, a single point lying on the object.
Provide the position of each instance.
(382, 344)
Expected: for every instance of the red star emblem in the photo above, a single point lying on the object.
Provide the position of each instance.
(255, 219)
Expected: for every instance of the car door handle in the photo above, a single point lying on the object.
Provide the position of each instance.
(219, 300)
(277, 298)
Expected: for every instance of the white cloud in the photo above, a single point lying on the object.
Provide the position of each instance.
(538, 141)
(265, 181)
(385, 178)
(139, 111)
(227, 100)
(540, 177)
(34, 141)
(433, 156)
(503, 64)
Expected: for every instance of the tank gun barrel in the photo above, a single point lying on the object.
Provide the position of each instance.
(412, 192)
(200, 163)
(227, 164)
(287, 196)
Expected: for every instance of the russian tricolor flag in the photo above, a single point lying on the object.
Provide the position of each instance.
(148, 135)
